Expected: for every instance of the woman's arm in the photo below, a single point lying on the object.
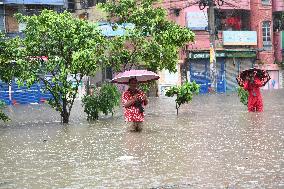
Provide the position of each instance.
(257, 82)
(145, 99)
(130, 102)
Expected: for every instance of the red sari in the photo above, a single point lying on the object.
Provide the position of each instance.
(254, 99)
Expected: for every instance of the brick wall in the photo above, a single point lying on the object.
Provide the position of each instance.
(259, 14)
(266, 57)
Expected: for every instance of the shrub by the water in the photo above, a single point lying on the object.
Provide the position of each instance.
(103, 100)
(184, 93)
(243, 94)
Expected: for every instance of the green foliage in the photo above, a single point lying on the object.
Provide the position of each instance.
(243, 94)
(74, 48)
(91, 106)
(154, 42)
(184, 93)
(145, 87)
(9, 50)
(103, 100)
(3, 116)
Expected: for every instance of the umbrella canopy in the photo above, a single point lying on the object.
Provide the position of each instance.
(142, 76)
(259, 73)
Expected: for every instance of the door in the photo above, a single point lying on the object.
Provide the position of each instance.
(199, 72)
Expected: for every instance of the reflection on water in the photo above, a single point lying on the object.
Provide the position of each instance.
(213, 143)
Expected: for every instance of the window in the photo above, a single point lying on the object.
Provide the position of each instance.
(236, 21)
(266, 36)
(109, 73)
(71, 5)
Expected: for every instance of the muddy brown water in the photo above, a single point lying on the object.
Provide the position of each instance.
(213, 143)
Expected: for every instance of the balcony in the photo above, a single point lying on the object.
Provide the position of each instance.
(238, 20)
(36, 2)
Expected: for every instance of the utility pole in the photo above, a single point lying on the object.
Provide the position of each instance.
(212, 33)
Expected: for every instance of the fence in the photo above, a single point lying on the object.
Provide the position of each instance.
(15, 94)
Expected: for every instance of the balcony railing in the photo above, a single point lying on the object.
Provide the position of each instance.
(35, 2)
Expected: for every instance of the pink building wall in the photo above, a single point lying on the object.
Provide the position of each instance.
(278, 5)
(201, 37)
(236, 4)
(273, 70)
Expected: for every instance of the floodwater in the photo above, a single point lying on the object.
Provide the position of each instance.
(213, 143)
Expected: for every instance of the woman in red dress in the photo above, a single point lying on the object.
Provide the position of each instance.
(133, 101)
(252, 85)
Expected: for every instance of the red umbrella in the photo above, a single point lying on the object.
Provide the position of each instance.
(259, 73)
(142, 76)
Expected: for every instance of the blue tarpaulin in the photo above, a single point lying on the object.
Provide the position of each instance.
(35, 2)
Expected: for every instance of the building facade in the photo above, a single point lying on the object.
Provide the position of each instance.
(246, 37)
(250, 33)
(8, 8)
(13, 93)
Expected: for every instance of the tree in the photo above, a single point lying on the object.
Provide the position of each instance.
(74, 48)
(154, 41)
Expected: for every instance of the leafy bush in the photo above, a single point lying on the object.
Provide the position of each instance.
(243, 94)
(3, 116)
(184, 93)
(104, 100)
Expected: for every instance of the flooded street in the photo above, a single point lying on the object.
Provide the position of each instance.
(213, 143)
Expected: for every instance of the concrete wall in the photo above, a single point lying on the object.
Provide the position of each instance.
(275, 74)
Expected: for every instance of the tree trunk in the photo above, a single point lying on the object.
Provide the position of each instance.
(65, 117)
(177, 108)
(88, 86)
(65, 114)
